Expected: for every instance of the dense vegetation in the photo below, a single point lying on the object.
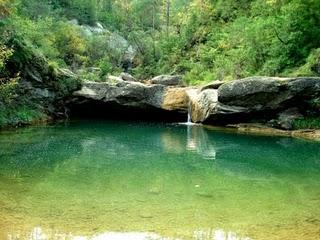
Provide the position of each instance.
(203, 40)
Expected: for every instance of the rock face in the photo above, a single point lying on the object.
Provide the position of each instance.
(40, 87)
(134, 95)
(175, 99)
(285, 119)
(131, 94)
(267, 93)
(203, 104)
(278, 101)
(257, 97)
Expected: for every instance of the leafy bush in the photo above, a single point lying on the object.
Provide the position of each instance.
(307, 123)
(20, 115)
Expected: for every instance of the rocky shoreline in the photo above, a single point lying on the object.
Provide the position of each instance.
(262, 130)
(257, 105)
(254, 105)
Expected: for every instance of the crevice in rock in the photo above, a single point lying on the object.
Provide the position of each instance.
(113, 111)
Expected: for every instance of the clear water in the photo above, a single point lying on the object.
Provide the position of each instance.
(113, 180)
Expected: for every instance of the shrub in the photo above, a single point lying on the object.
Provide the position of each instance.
(307, 123)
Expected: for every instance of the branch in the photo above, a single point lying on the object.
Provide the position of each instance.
(279, 38)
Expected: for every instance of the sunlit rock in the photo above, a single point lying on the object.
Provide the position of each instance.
(175, 99)
(203, 104)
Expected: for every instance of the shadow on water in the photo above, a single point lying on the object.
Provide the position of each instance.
(135, 180)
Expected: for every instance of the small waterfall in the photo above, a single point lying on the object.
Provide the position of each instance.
(192, 95)
(189, 121)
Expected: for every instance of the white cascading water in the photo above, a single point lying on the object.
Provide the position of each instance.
(192, 94)
(189, 121)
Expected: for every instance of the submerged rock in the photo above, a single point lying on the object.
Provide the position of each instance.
(259, 129)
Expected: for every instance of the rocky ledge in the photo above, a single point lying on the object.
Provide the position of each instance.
(263, 130)
(165, 94)
(276, 102)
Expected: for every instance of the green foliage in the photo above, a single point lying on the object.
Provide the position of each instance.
(20, 115)
(66, 82)
(7, 91)
(5, 53)
(205, 39)
(201, 39)
(105, 67)
(307, 123)
(57, 40)
(312, 65)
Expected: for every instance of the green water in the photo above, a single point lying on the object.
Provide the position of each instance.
(119, 180)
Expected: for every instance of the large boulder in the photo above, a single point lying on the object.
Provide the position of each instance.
(256, 97)
(134, 94)
(131, 94)
(253, 99)
(175, 99)
(261, 93)
(202, 104)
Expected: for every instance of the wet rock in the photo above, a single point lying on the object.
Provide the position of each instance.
(259, 129)
(307, 134)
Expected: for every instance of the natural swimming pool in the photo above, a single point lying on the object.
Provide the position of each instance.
(136, 180)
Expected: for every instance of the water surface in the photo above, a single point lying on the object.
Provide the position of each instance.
(120, 180)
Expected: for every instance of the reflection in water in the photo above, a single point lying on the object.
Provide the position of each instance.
(198, 141)
(38, 234)
(217, 235)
